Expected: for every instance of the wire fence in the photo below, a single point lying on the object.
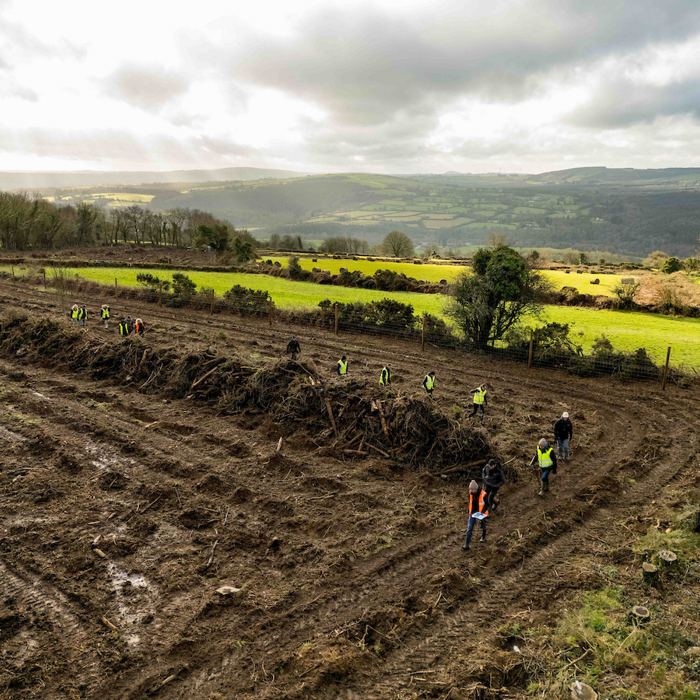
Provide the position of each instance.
(425, 332)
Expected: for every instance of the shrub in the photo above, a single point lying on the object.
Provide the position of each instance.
(152, 282)
(626, 293)
(655, 259)
(183, 287)
(671, 265)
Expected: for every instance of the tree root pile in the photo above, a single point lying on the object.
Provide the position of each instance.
(346, 417)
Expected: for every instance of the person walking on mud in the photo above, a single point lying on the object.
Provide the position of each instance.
(547, 462)
(342, 366)
(82, 315)
(124, 327)
(104, 314)
(293, 347)
(477, 511)
(563, 432)
(139, 327)
(479, 400)
(74, 314)
(429, 383)
(385, 376)
(493, 478)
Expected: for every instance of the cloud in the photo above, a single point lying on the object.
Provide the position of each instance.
(621, 103)
(148, 88)
(364, 64)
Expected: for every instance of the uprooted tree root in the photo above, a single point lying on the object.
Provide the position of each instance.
(346, 418)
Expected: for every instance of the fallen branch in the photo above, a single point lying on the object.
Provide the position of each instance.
(376, 449)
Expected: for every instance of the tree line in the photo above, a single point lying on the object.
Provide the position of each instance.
(29, 222)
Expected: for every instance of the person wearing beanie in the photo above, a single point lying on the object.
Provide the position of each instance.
(547, 462)
(493, 478)
(563, 432)
(477, 511)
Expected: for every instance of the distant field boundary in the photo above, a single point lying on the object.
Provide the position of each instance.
(626, 366)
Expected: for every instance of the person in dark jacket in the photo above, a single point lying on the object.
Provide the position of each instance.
(477, 511)
(547, 462)
(493, 478)
(293, 347)
(563, 432)
(82, 315)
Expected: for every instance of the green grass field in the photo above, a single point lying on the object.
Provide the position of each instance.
(626, 331)
(436, 272)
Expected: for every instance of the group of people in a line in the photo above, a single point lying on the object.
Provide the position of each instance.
(79, 316)
(482, 499)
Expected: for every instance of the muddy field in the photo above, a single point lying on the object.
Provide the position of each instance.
(126, 508)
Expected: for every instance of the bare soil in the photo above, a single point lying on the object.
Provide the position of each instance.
(122, 512)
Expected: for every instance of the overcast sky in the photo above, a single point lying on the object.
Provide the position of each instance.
(388, 86)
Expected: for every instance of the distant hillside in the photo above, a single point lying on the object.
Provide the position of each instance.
(659, 177)
(605, 209)
(38, 180)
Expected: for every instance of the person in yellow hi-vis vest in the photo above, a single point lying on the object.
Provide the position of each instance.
(74, 314)
(429, 383)
(104, 314)
(385, 376)
(479, 400)
(342, 366)
(547, 462)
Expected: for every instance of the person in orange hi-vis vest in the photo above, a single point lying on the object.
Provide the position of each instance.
(477, 511)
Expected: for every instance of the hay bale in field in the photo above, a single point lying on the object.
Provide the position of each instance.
(595, 280)
(315, 269)
(443, 281)
(343, 269)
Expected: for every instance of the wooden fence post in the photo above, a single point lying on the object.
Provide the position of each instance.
(211, 310)
(13, 273)
(270, 306)
(116, 286)
(335, 307)
(422, 337)
(160, 293)
(529, 356)
(44, 279)
(668, 357)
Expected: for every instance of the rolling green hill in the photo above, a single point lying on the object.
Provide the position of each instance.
(625, 211)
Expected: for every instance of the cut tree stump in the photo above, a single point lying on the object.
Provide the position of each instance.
(667, 559)
(650, 573)
(639, 615)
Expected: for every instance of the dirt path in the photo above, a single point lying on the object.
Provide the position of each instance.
(119, 505)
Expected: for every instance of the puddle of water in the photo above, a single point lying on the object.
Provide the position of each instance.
(133, 606)
(105, 458)
(120, 577)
